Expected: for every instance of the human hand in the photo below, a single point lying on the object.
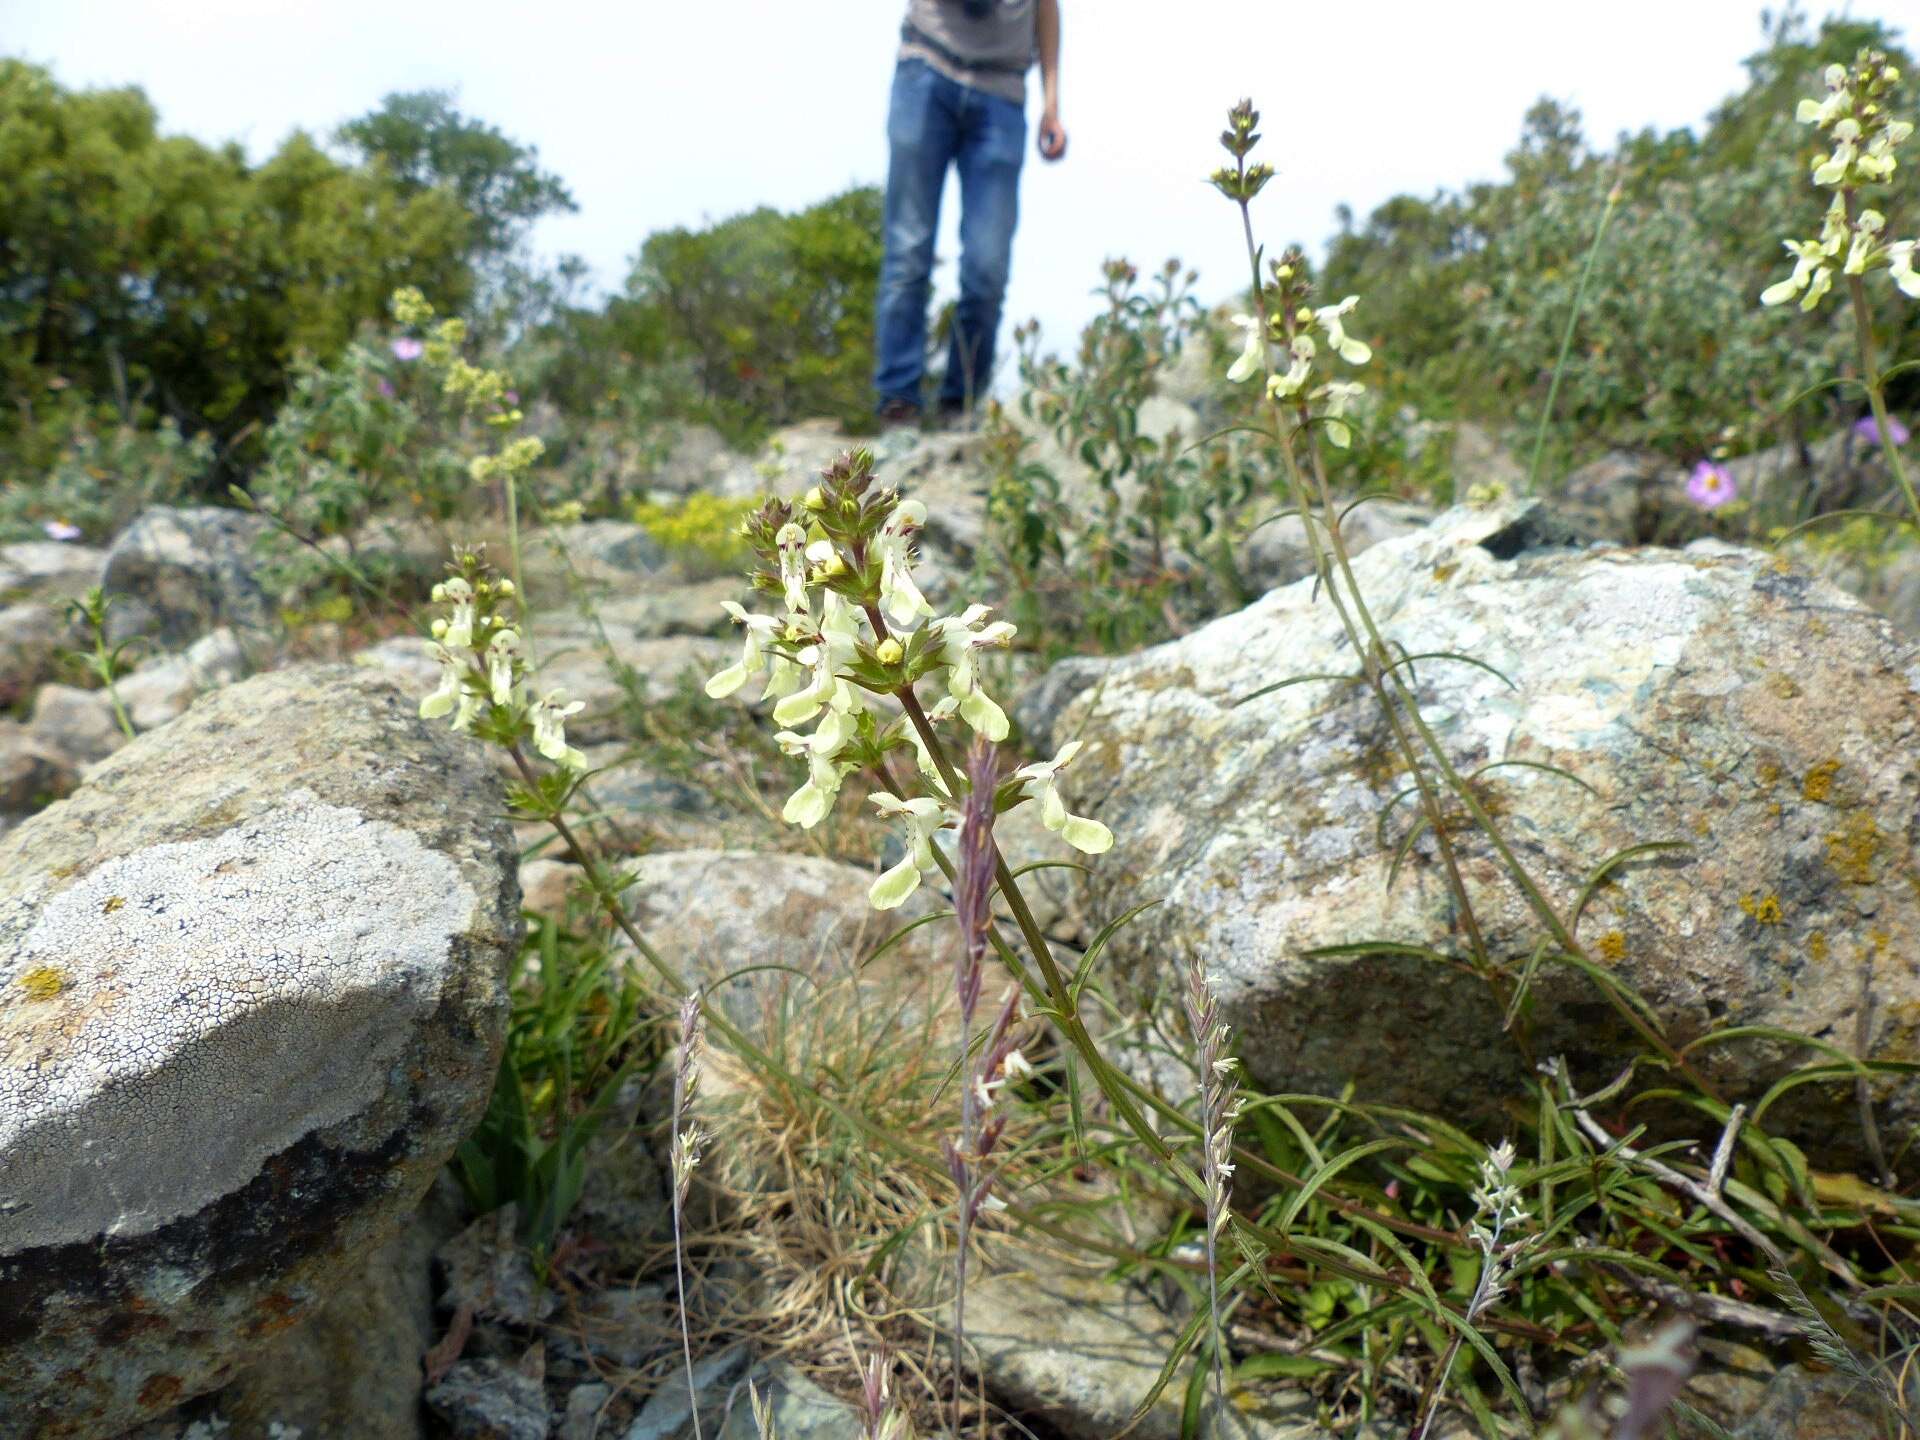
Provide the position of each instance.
(1052, 139)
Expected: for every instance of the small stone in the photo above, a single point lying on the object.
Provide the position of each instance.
(79, 724)
(490, 1400)
(581, 1420)
(667, 1410)
(485, 1269)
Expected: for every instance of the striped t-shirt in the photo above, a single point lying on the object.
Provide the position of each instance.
(991, 53)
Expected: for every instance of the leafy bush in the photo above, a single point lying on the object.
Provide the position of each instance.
(748, 324)
(178, 278)
(1144, 535)
(101, 476)
(701, 530)
(1472, 291)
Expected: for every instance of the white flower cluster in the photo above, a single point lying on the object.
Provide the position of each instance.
(1497, 1215)
(1851, 239)
(1334, 398)
(854, 625)
(483, 672)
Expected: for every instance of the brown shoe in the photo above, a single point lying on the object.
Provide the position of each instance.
(897, 414)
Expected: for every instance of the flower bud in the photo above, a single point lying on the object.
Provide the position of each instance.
(506, 587)
(889, 651)
(815, 499)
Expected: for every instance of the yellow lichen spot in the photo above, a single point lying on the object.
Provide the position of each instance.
(1851, 850)
(1765, 909)
(1702, 825)
(1613, 946)
(1819, 782)
(1783, 685)
(1769, 773)
(1444, 573)
(1817, 946)
(43, 982)
(1782, 565)
(112, 903)
(1773, 808)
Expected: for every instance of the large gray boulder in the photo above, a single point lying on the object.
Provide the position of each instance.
(176, 573)
(1723, 699)
(251, 997)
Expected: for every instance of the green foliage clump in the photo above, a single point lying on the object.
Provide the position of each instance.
(1471, 291)
(748, 324)
(701, 530)
(1146, 530)
(577, 1036)
(425, 144)
(99, 476)
(179, 278)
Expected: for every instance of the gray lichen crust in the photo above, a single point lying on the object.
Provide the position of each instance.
(165, 996)
(1755, 718)
(251, 996)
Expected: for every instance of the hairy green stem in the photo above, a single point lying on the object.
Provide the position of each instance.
(1566, 340)
(1870, 375)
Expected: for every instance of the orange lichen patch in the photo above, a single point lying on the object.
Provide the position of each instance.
(43, 982)
(1765, 909)
(1819, 782)
(1817, 946)
(279, 1311)
(1613, 946)
(1851, 849)
(160, 1392)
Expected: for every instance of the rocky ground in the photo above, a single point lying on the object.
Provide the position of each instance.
(214, 1147)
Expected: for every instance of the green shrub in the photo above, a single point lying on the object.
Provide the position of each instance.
(100, 476)
(1152, 539)
(1470, 292)
(702, 531)
(748, 324)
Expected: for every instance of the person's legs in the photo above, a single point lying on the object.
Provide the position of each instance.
(993, 141)
(921, 135)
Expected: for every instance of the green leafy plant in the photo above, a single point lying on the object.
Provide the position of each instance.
(1136, 536)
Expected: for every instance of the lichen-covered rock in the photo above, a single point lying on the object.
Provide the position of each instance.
(351, 1370)
(1082, 1352)
(176, 573)
(1276, 553)
(251, 996)
(1725, 700)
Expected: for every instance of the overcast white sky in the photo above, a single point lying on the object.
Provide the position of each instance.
(665, 112)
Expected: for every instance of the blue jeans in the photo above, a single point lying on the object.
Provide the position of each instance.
(934, 122)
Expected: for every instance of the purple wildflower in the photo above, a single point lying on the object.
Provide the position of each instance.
(1711, 486)
(1866, 430)
(406, 349)
(385, 387)
(61, 530)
